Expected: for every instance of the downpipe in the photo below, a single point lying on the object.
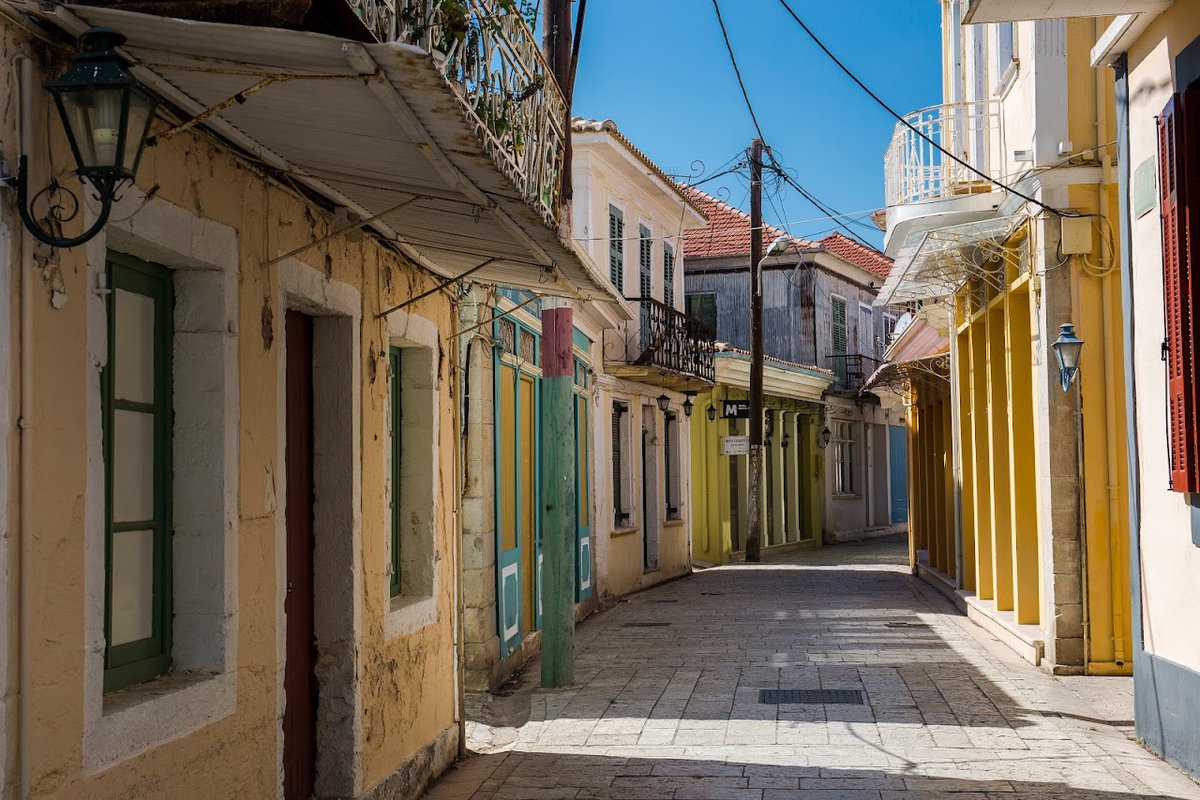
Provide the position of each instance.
(25, 424)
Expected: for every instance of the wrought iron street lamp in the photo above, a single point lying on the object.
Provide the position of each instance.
(106, 114)
(664, 403)
(1067, 348)
(824, 437)
(712, 413)
(688, 403)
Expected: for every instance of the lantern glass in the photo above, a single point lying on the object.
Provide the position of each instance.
(106, 113)
(824, 437)
(664, 402)
(1067, 350)
(712, 413)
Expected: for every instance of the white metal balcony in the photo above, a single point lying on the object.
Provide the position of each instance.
(916, 170)
(924, 186)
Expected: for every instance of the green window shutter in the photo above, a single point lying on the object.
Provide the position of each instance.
(703, 307)
(668, 275)
(137, 413)
(616, 248)
(397, 449)
(645, 243)
(837, 318)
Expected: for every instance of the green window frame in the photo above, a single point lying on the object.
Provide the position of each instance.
(148, 657)
(396, 398)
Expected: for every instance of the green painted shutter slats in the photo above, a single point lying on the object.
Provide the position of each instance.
(703, 307)
(616, 248)
(645, 266)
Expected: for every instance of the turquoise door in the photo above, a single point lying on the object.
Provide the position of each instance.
(508, 542)
(583, 498)
(898, 470)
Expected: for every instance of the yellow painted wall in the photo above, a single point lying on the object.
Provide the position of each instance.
(405, 696)
(712, 511)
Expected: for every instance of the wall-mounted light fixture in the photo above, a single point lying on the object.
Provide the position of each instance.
(787, 440)
(664, 403)
(712, 413)
(1067, 348)
(824, 437)
(688, 403)
(107, 116)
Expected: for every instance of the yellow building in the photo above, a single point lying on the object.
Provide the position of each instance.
(999, 247)
(793, 472)
(1153, 50)
(229, 454)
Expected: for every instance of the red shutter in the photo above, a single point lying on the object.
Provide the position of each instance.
(1179, 165)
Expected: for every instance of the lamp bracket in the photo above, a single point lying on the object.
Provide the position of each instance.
(59, 211)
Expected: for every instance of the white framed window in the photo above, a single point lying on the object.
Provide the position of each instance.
(845, 458)
(889, 328)
(411, 470)
(866, 330)
(163, 419)
(1004, 62)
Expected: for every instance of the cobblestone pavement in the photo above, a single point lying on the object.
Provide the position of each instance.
(666, 703)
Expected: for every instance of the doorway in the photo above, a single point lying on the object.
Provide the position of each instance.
(300, 680)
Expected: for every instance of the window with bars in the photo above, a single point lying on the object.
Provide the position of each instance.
(845, 458)
(1179, 185)
(137, 417)
(645, 257)
(616, 248)
(669, 275)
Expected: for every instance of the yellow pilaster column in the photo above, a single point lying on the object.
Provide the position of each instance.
(998, 444)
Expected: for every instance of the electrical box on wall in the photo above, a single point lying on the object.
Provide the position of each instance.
(1076, 236)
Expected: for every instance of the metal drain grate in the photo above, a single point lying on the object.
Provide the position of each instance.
(665, 600)
(810, 697)
(646, 625)
(906, 624)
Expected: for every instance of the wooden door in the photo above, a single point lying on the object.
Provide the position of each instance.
(299, 679)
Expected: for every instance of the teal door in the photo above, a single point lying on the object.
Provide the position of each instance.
(583, 498)
(508, 542)
(898, 470)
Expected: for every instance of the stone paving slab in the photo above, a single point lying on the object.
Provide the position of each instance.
(672, 712)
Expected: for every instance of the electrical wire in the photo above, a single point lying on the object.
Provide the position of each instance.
(774, 164)
(883, 104)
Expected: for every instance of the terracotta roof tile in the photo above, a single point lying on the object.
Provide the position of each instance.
(859, 254)
(728, 230)
(582, 125)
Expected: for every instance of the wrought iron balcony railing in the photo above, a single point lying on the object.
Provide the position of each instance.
(491, 59)
(915, 170)
(665, 338)
(852, 370)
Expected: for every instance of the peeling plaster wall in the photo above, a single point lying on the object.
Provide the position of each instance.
(403, 703)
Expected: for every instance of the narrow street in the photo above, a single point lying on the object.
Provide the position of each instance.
(666, 702)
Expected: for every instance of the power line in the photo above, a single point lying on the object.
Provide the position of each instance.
(914, 128)
(807, 195)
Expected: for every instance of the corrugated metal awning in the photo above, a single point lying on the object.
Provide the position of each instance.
(941, 263)
(373, 127)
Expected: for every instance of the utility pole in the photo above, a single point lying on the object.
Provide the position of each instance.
(558, 502)
(558, 47)
(754, 515)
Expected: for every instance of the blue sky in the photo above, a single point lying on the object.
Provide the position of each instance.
(660, 69)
